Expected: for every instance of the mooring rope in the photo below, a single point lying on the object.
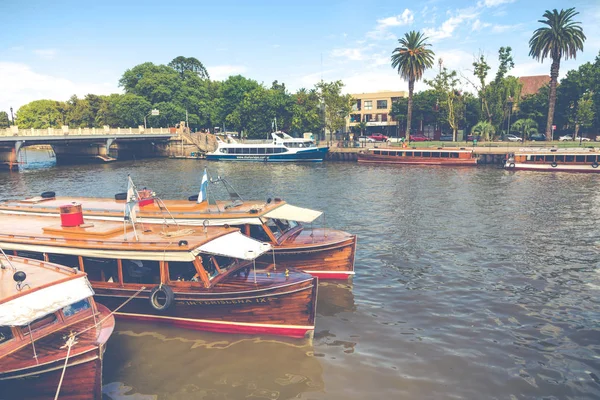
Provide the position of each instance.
(70, 343)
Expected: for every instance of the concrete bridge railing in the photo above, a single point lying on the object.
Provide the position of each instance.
(66, 131)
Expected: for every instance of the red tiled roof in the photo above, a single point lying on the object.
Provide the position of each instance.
(533, 84)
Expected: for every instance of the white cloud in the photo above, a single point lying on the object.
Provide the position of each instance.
(505, 28)
(449, 26)
(23, 85)
(222, 72)
(493, 3)
(478, 25)
(381, 30)
(373, 81)
(45, 53)
(354, 54)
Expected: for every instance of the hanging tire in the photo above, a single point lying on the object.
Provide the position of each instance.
(121, 196)
(553, 165)
(511, 165)
(193, 198)
(161, 297)
(595, 165)
(48, 195)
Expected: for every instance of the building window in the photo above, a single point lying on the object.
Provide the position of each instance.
(368, 117)
(382, 117)
(368, 104)
(356, 106)
(354, 117)
(382, 104)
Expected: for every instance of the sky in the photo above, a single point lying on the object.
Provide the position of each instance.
(55, 49)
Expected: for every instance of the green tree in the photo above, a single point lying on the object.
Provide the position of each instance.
(40, 114)
(562, 37)
(585, 113)
(131, 109)
(411, 59)
(337, 106)
(4, 121)
(445, 85)
(525, 126)
(484, 129)
(306, 111)
(182, 64)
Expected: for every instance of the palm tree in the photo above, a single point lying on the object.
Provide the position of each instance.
(411, 59)
(525, 126)
(562, 37)
(484, 129)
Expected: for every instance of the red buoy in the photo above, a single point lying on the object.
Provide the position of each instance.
(71, 215)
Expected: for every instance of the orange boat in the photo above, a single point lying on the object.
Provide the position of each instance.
(199, 278)
(418, 156)
(322, 252)
(52, 333)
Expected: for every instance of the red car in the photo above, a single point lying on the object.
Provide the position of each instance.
(419, 138)
(378, 137)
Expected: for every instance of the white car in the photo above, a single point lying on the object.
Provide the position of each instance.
(513, 138)
(565, 138)
(582, 139)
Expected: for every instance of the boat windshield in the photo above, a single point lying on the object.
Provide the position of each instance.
(299, 144)
(280, 227)
(216, 265)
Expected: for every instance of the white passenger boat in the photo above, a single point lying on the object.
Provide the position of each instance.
(554, 160)
(282, 148)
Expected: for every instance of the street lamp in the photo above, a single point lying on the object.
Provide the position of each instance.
(509, 102)
(12, 116)
(153, 112)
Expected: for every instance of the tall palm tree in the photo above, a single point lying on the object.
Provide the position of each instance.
(562, 37)
(411, 59)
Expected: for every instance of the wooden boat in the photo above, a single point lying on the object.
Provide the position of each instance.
(50, 326)
(322, 252)
(206, 279)
(554, 160)
(418, 156)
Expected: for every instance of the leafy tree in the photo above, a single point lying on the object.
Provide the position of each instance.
(484, 129)
(585, 112)
(41, 114)
(562, 37)
(131, 109)
(337, 105)
(306, 111)
(445, 85)
(4, 121)
(480, 70)
(411, 59)
(182, 64)
(525, 126)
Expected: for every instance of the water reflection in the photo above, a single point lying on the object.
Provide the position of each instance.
(147, 362)
(335, 298)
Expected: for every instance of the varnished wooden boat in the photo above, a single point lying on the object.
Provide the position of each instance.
(199, 278)
(418, 156)
(39, 312)
(322, 252)
(554, 160)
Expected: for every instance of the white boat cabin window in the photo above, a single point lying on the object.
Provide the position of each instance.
(39, 323)
(215, 265)
(5, 334)
(280, 226)
(579, 158)
(64, 259)
(75, 308)
(253, 150)
(101, 269)
(590, 159)
(141, 271)
(182, 271)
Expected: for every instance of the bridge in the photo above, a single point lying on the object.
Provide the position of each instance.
(85, 144)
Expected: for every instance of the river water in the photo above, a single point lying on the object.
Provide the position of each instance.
(471, 283)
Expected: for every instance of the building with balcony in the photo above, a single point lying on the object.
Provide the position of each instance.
(374, 109)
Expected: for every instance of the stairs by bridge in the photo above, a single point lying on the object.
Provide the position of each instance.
(106, 158)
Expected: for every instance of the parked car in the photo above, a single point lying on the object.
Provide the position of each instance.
(419, 138)
(365, 139)
(379, 137)
(470, 138)
(565, 138)
(582, 139)
(447, 137)
(537, 137)
(513, 138)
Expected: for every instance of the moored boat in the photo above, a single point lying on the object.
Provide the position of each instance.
(323, 252)
(554, 160)
(283, 148)
(202, 278)
(52, 333)
(418, 156)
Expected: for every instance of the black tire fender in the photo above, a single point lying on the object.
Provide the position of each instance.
(161, 297)
(595, 165)
(121, 196)
(554, 165)
(193, 198)
(48, 195)
(511, 165)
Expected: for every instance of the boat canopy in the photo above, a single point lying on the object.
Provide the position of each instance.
(293, 213)
(234, 245)
(36, 304)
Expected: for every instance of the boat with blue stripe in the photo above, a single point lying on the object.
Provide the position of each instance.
(283, 148)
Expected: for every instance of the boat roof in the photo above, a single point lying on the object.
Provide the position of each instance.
(47, 288)
(551, 151)
(246, 212)
(443, 149)
(112, 239)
